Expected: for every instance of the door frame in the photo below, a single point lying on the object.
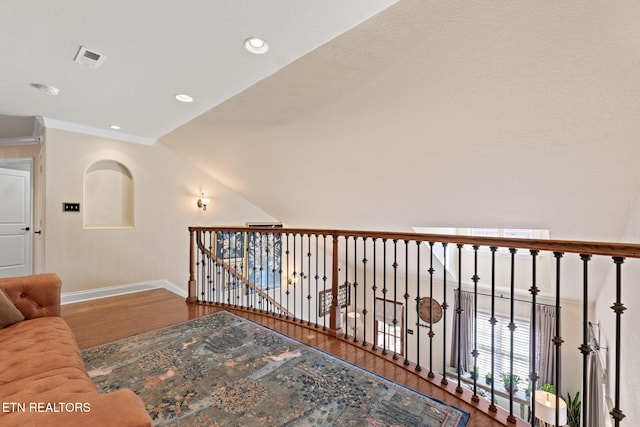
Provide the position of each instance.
(26, 164)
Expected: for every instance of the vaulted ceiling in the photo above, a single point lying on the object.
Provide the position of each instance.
(367, 115)
(444, 114)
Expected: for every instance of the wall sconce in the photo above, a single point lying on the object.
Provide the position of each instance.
(203, 202)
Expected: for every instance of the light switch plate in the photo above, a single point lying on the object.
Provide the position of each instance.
(70, 207)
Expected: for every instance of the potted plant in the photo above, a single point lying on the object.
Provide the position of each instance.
(488, 378)
(548, 388)
(573, 410)
(473, 372)
(510, 381)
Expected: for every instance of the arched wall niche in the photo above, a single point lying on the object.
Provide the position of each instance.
(108, 195)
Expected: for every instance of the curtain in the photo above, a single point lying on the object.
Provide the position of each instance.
(593, 396)
(465, 329)
(544, 349)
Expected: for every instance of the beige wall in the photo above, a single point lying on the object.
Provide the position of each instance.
(166, 191)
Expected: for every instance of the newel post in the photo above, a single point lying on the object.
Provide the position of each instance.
(192, 297)
(334, 310)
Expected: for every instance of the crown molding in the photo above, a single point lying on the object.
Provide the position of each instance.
(102, 133)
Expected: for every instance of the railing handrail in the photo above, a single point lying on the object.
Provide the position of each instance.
(342, 246)
(625, 250)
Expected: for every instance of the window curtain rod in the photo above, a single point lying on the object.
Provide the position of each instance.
(507, 298)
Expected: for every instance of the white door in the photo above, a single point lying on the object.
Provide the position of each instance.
(15, 223)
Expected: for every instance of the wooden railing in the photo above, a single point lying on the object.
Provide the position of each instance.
(380, 290)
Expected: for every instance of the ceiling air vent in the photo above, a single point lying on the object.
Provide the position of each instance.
(90, 58)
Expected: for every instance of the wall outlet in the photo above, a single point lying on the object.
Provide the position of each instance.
(70, 207)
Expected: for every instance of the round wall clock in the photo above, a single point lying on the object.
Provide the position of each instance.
(429, 310)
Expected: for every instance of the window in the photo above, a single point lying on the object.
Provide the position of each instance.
(511, 233)
(502, 350)
(387, 334)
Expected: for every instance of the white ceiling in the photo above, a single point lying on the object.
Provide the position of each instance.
(154, 49)
(429, 114)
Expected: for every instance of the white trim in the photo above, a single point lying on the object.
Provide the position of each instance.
(103, 133)
(112, 291)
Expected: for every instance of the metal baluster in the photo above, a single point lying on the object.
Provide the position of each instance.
(317, 276)
(585, 348)
(374, 289)
(395, 292)
(459, 317)
(619, 309)
(280, 301)
(309, 279)
(418, 367)
(384, 295)
(265, 266)
(199, 267)
(302, 278)
(324, 277)
(347, 287)
(355, 289)
(533, 374)
(431, 334)
(444, 315)
(492, 406)
(295, 277)
(364, 285)
(406, 302)
(557, 340)
(209, 272)
(257, 237)
(474, 352)
(512, 329)
(288, 277)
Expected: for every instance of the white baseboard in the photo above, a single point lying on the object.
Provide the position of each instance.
(111, 291)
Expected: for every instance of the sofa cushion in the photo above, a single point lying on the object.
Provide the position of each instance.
(37, 346)
(9, 314)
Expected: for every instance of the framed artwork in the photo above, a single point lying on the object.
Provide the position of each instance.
(325, 298)
(264, 256)
(230, 246)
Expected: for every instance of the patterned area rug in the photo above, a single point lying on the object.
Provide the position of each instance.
(223, 370)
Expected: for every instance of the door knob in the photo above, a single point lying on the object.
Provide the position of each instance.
(26, 229)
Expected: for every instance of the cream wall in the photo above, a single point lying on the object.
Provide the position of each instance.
(157, 247)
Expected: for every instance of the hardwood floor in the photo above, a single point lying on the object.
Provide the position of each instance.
(100, 321)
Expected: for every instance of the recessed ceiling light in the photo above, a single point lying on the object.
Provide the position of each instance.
(256, 45)
(48, 90)
(183, 97)
(114, 127)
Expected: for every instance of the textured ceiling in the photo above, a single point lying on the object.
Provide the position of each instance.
(444, 114)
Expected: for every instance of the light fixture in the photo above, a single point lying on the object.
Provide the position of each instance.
(114, 127)
(546, 409)
(46, 89)
(203, 202)
(183, 97)
(256, 45)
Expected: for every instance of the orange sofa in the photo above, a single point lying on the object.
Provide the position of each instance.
(43, 381)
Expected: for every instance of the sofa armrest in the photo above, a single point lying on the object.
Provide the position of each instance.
(121, 408)
(35, 296)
